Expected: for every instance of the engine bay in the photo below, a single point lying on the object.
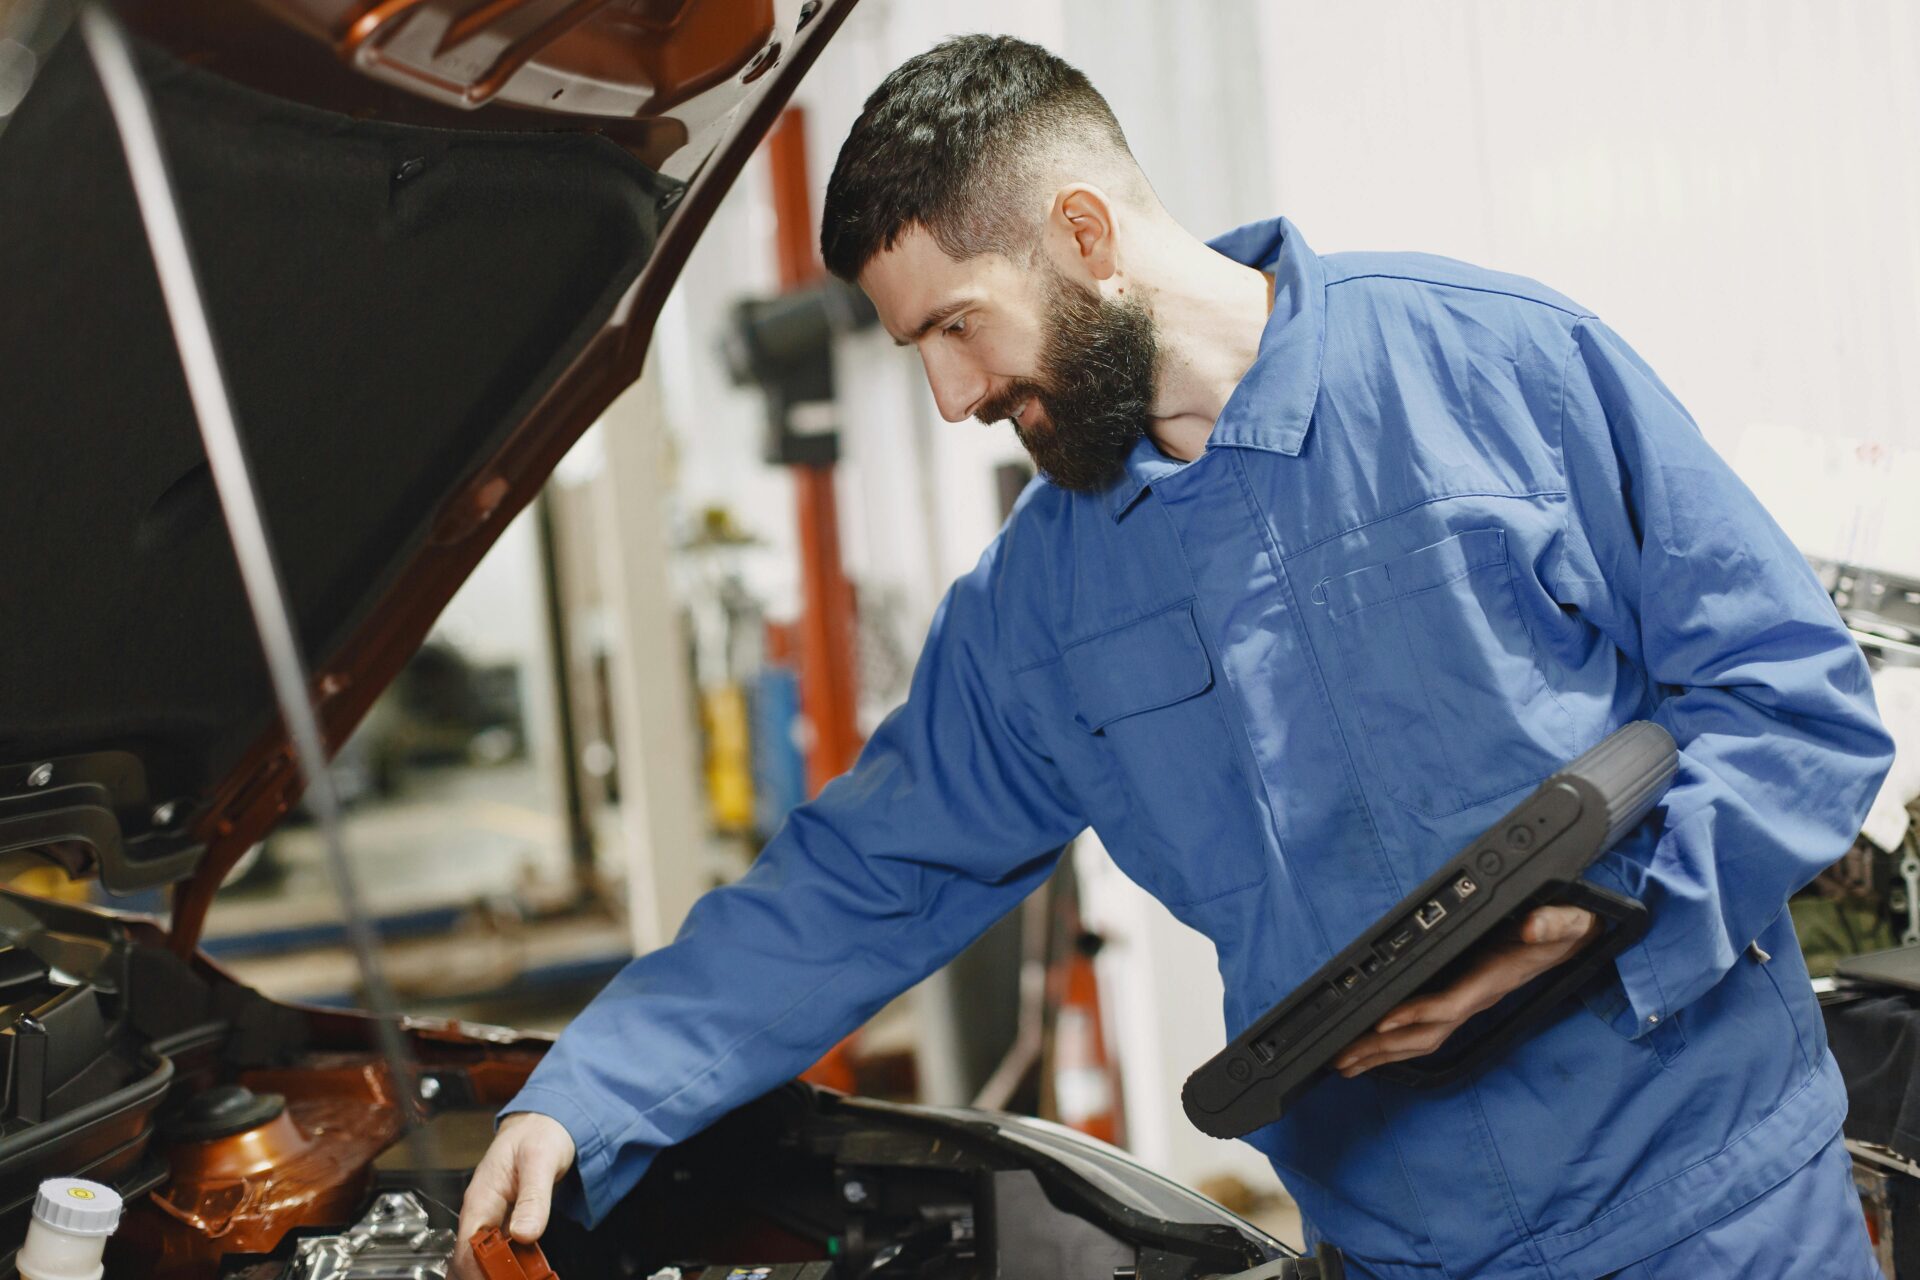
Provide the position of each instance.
(258, 1141)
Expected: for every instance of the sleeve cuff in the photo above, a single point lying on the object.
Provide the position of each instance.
(1634, 1005)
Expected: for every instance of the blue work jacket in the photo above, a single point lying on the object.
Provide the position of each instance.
(1448, 532)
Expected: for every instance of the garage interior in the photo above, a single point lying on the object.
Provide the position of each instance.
(725, 584)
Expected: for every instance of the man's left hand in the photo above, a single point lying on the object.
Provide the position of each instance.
(1548, 937)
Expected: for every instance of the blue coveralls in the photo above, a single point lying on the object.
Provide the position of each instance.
(1448, 532)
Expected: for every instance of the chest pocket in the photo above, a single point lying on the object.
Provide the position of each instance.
(1444, 675)
(1145, 694)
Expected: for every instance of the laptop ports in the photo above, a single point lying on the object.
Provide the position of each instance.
(1465, 888)
(1430, 915)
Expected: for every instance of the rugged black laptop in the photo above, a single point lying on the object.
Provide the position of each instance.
(1532, 856)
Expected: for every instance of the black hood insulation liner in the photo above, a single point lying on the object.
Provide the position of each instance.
(389, 302)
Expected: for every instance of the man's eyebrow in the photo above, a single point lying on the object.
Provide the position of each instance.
(939, 315)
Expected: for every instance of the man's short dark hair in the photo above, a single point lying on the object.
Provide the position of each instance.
(950, 141)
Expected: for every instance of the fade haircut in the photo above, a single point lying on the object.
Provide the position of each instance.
(954, 140)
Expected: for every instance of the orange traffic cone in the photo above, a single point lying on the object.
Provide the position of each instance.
(835, 1071)
(1082, 1077)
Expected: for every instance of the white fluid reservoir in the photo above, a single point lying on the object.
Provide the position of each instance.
(72, 1219)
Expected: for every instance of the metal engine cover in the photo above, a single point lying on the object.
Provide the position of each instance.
(394, 1241)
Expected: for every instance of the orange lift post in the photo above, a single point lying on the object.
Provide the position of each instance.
(828, 621)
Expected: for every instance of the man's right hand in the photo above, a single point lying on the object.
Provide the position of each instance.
(529, 1155)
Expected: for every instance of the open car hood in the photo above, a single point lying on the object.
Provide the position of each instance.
(433, 236)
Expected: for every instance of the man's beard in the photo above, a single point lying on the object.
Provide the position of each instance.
(1095, 386)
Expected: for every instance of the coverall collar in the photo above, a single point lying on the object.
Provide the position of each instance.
(1272, 406)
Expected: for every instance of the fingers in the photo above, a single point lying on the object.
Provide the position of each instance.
(1494, 974)
(1424, 1023)
(1558, 924)
(1421, 1025)
(528, 1156)
(465, 1265)
(539, 1169)
(486, 1202)
(1378, 1048)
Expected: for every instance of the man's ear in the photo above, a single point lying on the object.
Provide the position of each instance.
(1083, 228)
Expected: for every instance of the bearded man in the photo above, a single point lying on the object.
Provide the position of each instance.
(1331, 560)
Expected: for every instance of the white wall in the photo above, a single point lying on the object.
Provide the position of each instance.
(498, 615)
(1734, 185)
(718, 429)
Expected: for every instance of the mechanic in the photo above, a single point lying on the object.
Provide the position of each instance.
(1333, 558)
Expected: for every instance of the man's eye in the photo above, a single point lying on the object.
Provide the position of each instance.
(959, 326)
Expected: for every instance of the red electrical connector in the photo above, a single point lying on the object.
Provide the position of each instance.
(503, 1258)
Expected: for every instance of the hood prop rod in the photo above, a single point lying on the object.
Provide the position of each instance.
(113, 61)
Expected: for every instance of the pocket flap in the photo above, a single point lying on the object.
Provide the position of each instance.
(1431, 566)
(1154, 662)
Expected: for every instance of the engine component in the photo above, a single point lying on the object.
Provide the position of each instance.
(221, 1112)
(394, 1241)
(82, 1082)
(503, 1258)
(301, 1161)
(72, 1219)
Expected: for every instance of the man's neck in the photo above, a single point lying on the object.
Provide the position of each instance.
(1210, 312)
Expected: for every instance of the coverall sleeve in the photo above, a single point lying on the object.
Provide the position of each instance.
(1781, 750)
(949, 818)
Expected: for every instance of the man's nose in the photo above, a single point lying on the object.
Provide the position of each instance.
(955, 391)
